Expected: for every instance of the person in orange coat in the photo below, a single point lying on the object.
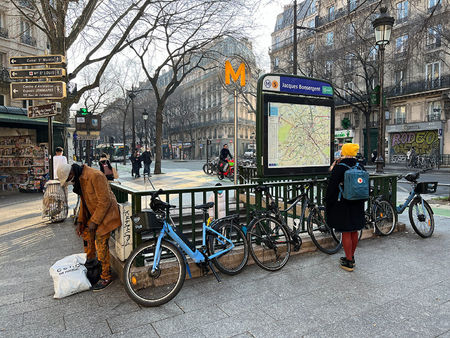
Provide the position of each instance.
(99, 213)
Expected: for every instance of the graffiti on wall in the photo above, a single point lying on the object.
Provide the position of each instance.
(425, 142)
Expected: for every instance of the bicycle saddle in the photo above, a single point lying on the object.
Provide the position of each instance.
(157, 205)
(412, 177)
(204, 206)
(260, 188)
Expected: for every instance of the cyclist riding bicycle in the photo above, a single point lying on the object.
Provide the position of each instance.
(223, 158)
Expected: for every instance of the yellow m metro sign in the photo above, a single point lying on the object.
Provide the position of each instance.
(229, 72)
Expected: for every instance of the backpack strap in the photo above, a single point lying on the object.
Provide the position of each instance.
(345, 165)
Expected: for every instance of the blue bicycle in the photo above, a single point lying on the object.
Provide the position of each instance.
(155, 271)
(420, 213)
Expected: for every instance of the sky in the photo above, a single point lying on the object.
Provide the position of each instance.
(262, 41)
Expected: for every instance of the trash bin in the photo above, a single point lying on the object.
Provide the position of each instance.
(54, 204)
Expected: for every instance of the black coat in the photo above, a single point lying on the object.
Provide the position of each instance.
(146, 157)
(224, 153)
(343, 215)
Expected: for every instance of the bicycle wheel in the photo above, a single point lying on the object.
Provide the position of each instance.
(385, 217)
(205, 168)
(269, 243)
(421, 217)
(233, 261)
(157, 288)
(325, 238)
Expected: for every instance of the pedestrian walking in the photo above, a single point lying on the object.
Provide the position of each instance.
(147, 160)
(58, 160)
(98, 215)
(105, 167)
(374, 155)
(135, 164)
(346, 216)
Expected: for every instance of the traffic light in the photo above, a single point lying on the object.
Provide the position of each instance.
(208, 142)
(83, 111)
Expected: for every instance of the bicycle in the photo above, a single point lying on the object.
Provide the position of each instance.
(421, 215)
(210, 168)
(380, 214)
(155, 271)
(270, 238)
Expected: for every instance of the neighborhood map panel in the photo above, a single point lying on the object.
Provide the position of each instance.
(298, 135)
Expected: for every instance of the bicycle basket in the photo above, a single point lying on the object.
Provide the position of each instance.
(146, 221)
(426, 187)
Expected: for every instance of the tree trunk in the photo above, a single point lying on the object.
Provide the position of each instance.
(159, 125)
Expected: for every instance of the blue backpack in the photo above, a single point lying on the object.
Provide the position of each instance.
(356, 184)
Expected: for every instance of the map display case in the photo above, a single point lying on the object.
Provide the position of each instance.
(295, 125)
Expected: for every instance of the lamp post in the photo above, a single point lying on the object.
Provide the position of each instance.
(145, 117)
(132, 96)
(383, 28)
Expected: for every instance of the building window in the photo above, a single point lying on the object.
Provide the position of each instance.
(432, 4)
(433, 75)
(312, 8)
(401, 44)
(349, 62)
(352, 5)
(402, 11)
(328, 68)
(311, 24)
(276, 62)
(331, 13)
(400, 115)
(373, 54)
(2, 100)
(351, 31)
(434, 111)
(434, 37)
(27, 103)
(399, 81)
(348, 89)
(329, 40)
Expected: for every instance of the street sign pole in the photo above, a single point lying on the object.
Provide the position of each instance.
(50, 147)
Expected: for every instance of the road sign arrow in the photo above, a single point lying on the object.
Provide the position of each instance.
(14, 73)
(13, 61)
(15, 91)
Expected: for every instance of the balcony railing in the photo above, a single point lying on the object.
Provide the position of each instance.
(28, 40)
(3, 33)
(420, 86)
(434, 45)
(400, 120)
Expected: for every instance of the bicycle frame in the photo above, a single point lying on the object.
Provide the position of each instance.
(403, 206)
(196, 255)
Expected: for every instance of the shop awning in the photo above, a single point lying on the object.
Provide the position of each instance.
(19, 116)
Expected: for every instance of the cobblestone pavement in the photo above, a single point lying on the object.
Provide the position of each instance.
(400, 287)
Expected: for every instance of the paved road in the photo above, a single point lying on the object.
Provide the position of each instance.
(399, 288)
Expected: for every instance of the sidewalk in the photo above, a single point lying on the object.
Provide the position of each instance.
(399, 288)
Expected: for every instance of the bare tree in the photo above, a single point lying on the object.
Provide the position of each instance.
(179, 45)
(93, 31)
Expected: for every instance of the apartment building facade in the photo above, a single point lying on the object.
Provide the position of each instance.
(17, 37)
(337, 43)
(202, 108)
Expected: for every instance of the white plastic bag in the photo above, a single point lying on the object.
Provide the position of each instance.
(69, 275)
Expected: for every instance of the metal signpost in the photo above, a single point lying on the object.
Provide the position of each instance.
(41, 90)
(294, 125)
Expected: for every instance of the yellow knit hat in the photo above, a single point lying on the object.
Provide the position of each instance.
(349, 149)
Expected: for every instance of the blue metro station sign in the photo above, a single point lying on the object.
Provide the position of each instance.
(296, 85)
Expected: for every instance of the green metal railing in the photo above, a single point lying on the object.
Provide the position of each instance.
(239, 199)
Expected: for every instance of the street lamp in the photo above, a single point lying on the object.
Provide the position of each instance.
(383, 28)
(145, 117)
(132, 96)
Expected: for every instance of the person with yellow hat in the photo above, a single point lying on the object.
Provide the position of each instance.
(343, 215)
